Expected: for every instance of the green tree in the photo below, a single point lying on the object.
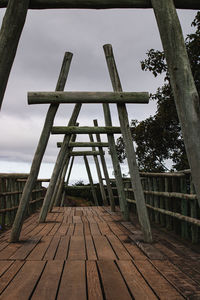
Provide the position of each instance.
(159, 138)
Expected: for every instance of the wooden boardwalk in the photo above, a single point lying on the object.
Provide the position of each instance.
(90, 253)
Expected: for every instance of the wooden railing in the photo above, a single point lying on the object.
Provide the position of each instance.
(171, 201)
(11, 188)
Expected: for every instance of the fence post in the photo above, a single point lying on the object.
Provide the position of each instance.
(184, 208)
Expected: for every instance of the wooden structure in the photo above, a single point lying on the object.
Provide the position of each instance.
(11, 188)
(56, 182)
(185, 93)
(91, 253)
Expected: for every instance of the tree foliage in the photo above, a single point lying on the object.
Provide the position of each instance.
(159, 138)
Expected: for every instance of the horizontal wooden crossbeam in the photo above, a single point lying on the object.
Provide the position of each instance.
(102, 4)
(83, 153)
(85, 144)
(85, 130)
(87, 97)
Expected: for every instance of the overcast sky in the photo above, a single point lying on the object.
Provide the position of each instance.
(46, 36)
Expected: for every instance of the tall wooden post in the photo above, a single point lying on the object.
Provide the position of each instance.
(62, 156)
(90, 180)
(35, 167)
(12, 26)
(55, 200)
(70, 170)
(103, 193)
(105, 170)
(116, 166)
(182, 82)
(131, 157)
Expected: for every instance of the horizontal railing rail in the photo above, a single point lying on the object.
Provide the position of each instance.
(171, 201)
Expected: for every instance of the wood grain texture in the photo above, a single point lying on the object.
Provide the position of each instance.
(87, 97)
(183, 86)
(102, 4)
(130, 151)
(35, 167)
(12, 26)
(85, 130)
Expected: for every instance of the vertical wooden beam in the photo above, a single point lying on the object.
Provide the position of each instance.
(90, 180)
(193, 214)
(105, 170)
(11, 29)
(35, 167)
(70, 169)
(67, 181)
(62, 156)
(61, 178)
(182, 82)
(102, 190)
(184, 208)
(131, 156)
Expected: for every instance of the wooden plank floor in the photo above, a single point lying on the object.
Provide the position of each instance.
(90, 253)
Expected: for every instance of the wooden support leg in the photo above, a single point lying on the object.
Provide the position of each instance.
(35, 167)
(103, 193)
(131, 157)
(182, 82)
(91, 181)
(12, 26)
(70, 170)
(55, 200)
(62, 156)
(105, 170)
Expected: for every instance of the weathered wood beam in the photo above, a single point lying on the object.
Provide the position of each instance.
(131, 156)
(62, 156)
(39, 153)
(11, 29)
(102, 4)
(182, 82)
(55, 199)
(70, 170)
(85, 144)
(87, 97)
(96, 161)
(91, 180)
(85, 130)
(82, 153)
(105, 170)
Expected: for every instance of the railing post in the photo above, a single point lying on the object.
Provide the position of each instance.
(193, 212)
(184, 208)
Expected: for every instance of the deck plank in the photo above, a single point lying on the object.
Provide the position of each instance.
(136, 283)
(9, 274)
(93, 281)
(163, 289)
(113, 283)
(91, 253)
(103, 248)
(73, 282)
(77, 248)
(22, 285)
(48, 284)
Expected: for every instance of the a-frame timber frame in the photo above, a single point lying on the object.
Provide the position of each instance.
(185, 92)
(66, 151)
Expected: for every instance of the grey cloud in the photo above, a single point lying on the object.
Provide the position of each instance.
(46, 36)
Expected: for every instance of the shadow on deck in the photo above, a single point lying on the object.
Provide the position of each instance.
(89, 253)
